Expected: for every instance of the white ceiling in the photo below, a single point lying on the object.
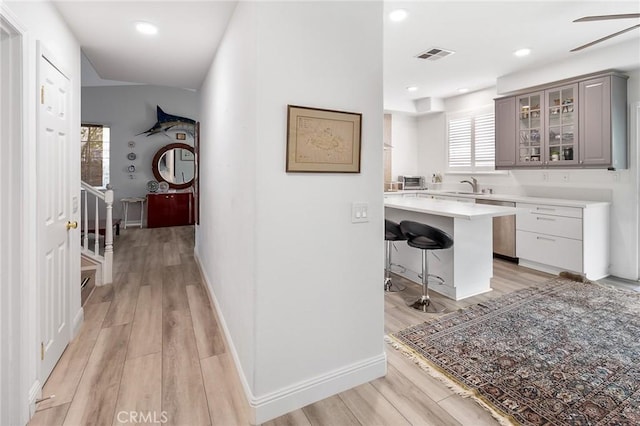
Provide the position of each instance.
(178, 56)
(483, 34)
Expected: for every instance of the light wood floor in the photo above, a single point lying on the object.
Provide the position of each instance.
(151, 346)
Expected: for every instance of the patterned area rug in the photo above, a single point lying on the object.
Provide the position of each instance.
(564, 353)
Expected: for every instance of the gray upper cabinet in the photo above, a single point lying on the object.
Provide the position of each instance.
(603, 127)
(573, 123)
(505, 132)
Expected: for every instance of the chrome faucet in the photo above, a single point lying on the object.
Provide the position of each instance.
(473, 182)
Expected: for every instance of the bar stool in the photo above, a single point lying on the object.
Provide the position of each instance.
(426, 238)
(392, 233)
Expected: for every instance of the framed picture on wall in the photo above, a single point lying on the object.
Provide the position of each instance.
(322, 140)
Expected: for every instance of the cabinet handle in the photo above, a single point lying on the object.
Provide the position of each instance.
(546, 208)
(545, 218)
(546, 239)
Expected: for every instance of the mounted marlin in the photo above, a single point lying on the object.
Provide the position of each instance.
(167, 121)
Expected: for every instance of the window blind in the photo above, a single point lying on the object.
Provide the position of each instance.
(471, 140)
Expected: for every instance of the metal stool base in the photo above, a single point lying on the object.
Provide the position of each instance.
(426, 305)
(390, 287)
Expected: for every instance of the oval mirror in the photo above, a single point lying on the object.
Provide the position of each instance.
(174, 164)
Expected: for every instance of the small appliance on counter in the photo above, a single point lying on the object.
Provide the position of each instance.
(412, 182)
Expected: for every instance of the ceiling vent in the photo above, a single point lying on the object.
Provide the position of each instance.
(435, 53)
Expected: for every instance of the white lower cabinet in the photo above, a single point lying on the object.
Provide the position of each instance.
(564, 253)
(553, 238)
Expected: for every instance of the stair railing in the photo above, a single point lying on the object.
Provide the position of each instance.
(99, 198)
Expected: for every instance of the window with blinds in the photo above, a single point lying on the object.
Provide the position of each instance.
(94, 154)
(471, 140)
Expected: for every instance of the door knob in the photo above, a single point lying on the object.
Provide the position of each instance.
(72, 225)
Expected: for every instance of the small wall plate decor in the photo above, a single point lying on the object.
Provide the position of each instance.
(131, 156)
(163, 187)
(152, 186)
(131, 168)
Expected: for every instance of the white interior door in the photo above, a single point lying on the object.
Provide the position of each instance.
(53, 212)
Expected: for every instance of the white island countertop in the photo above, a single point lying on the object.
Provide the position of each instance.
(445, 208)
(502, 197)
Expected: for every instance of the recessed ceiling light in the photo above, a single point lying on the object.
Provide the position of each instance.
(146, 28)
(522, 52)
(463, 90)
(412, 89)
(398, 15)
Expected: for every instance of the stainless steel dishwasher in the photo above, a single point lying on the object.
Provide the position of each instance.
(504, 231)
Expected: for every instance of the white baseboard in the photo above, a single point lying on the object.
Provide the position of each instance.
(290, 398)
(287, 399)
(34, 392)
(225, 330)
(77, 323)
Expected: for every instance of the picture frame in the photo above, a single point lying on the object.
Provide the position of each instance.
(323, 140)
(186, 155)
(181, 136)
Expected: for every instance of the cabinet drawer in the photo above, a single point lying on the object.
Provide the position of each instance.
(560, 252)
(552, 210)
(569, 227)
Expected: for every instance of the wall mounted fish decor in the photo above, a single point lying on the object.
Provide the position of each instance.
(168, 121)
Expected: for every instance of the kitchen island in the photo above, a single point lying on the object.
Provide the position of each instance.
(467, 267)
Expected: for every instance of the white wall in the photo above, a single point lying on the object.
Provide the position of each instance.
(404, 139)
(225, 238)
(620, 187)
(129, 110)
(293, 278)
(42, 23)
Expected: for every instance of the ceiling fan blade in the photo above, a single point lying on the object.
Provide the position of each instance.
(608, 17)
(584, 46)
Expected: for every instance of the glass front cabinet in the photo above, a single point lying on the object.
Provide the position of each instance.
(573, 123)
(561, 112)
(530, 128)
(546, 127)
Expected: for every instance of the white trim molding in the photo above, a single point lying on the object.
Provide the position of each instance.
(16, 370)
(634, 161)
(274, 404)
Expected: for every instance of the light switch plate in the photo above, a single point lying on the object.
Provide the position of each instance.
(359, 212)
